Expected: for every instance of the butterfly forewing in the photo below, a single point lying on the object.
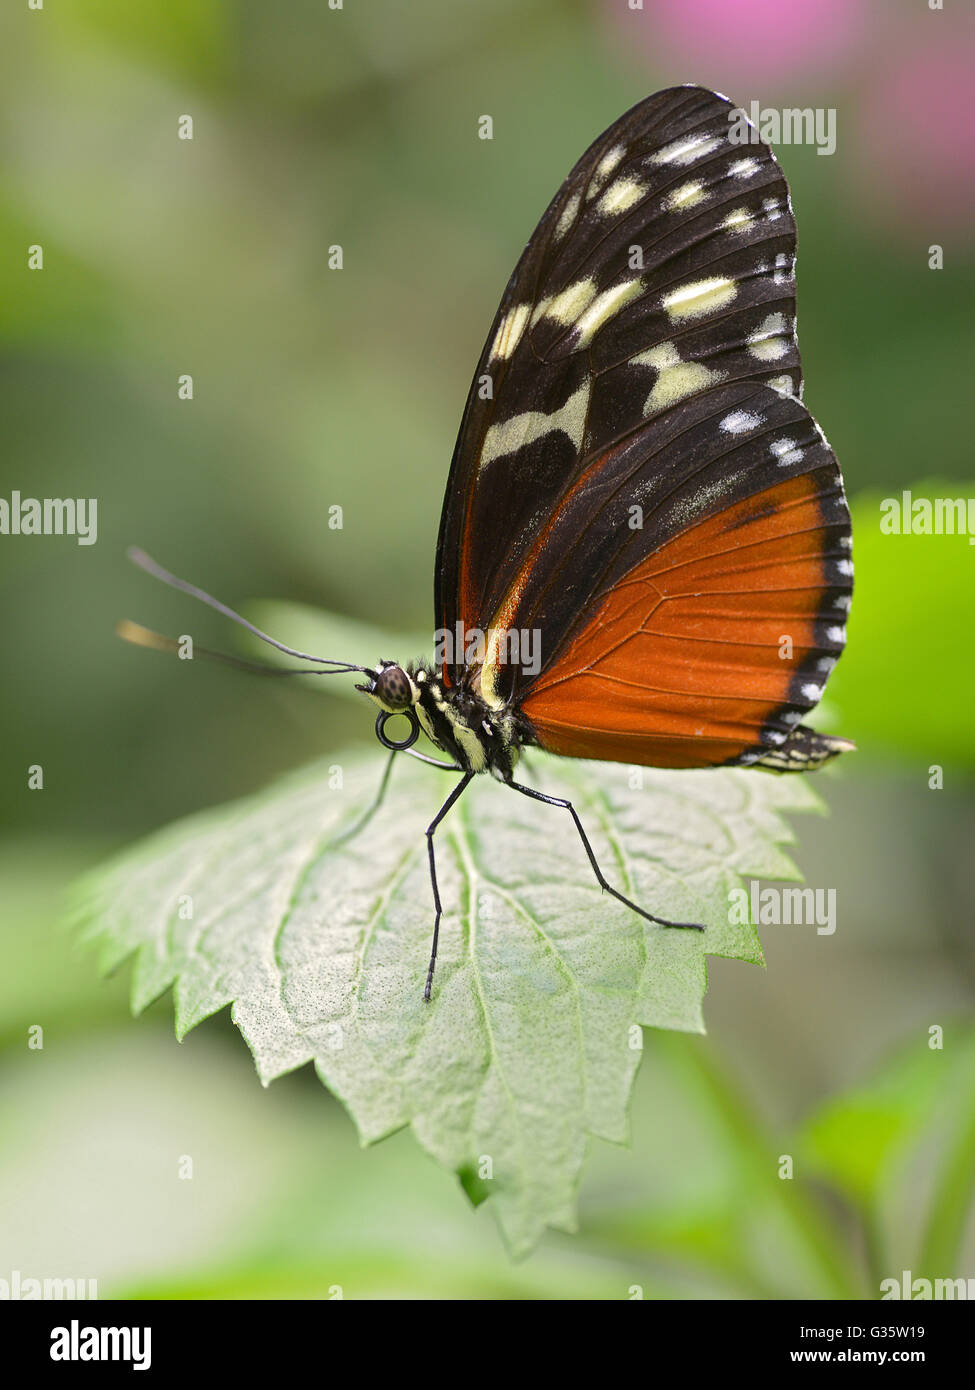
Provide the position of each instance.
(586, 342)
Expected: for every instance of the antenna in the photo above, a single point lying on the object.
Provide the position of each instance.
(140, 636)
(144, 637)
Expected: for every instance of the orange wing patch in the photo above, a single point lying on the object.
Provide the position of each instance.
(681, 663)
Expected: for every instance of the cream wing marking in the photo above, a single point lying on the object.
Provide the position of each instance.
(688, 195)
(510, 330)
(675, 379)
(620, 196)
(524, 429)
(700, 297)
(771, 340)
(687, 150)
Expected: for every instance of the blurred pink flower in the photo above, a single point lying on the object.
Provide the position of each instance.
(916, 141)
(734, 44)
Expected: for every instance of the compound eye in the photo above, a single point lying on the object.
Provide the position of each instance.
(393, 689)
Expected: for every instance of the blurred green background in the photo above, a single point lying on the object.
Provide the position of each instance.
(315, 387)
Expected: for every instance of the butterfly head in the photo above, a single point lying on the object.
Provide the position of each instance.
(395, 692)
(391, 687)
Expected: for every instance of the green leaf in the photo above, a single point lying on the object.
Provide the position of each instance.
(923, 714)
(316, 927)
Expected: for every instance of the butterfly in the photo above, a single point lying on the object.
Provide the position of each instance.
(645, 546)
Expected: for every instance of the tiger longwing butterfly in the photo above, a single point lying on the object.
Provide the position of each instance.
(644, 551)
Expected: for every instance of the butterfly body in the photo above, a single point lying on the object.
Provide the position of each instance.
(478, 736)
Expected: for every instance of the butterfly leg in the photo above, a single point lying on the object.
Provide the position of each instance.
(431, 828)
(433, 762)
(568, 806)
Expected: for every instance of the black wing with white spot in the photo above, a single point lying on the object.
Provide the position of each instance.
(663, 268)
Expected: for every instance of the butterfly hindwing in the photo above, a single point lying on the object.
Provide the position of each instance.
(691, 590)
